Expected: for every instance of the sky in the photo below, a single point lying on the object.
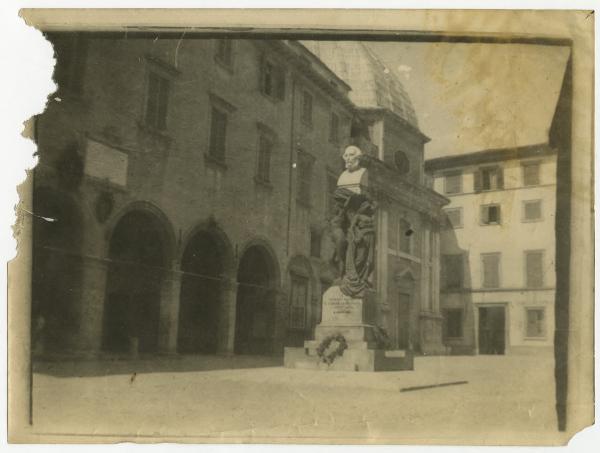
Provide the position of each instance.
(471, 97)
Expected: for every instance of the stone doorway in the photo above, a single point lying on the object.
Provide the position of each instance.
(492, 330)
(255, 308)
(133, 290)
(200, 298)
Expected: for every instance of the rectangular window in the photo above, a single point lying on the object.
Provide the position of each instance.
(532, 210)
(218, 132)
(265, 147)
(307, 108)
(157, 100)
(531, 173)
(536, 322)
(298, 302)
(304, 178)
(273, 80)
(453, 183)
(224, 52)
(491, 270)
(454, 216)
(453, 323)
(489, 178)
(534, 267)
(331, 187)
(452, 271)
(315, 243)
(490, 214)
(334, 128)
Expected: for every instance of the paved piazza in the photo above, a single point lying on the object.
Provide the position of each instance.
(506, 399)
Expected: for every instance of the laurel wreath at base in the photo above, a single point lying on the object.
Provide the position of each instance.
(329, 357)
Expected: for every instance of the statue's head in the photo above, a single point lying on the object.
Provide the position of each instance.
(352, 157)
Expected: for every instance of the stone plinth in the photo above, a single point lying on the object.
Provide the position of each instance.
(354, 318)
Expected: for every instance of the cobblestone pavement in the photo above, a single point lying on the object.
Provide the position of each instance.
(505, 399)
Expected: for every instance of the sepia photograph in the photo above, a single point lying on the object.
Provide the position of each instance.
(295, 232)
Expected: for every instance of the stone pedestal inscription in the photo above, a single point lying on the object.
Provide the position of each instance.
(339, 309)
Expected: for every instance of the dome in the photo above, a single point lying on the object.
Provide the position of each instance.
(373, 85)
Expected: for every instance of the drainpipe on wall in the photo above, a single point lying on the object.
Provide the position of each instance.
(291, 169)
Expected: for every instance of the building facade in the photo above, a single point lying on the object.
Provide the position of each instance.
(188, 183)
(498, 249)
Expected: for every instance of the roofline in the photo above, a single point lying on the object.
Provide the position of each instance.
(489, 155)
(414, 129)
(320, 62)
(312, 73)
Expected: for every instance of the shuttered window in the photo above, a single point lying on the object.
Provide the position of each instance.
(298, 302)
(453, 183)
(489, 178)
(532, 210)
(334, 128)
(307, 108)
(536, 322)
(157, 100)
(265, 146)
(491, 270)
(490, 214)
(534, 269)
(531, 173)
(272, 80)
(452, 271)
(218, 132)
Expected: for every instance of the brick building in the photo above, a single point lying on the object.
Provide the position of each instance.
(185, 186)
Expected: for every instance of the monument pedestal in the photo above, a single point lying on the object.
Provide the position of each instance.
(354, 320)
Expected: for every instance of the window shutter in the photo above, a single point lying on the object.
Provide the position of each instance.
(500, 172)
(152, 98)
(217, 134)
(484, 215)
(280, 83)
(477, 181)
(261, 73)
(163, 102)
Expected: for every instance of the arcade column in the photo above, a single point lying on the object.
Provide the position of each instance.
(169, 310)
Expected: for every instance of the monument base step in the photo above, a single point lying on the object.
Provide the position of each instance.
(351, 360)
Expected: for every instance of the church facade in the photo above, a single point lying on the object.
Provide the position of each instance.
(189, 183)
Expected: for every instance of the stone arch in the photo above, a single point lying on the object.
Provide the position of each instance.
(168, 232)
(56, 269)
(257, 287)
(140, 249)
(206, 269)
(212, 228)
(269, 251)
